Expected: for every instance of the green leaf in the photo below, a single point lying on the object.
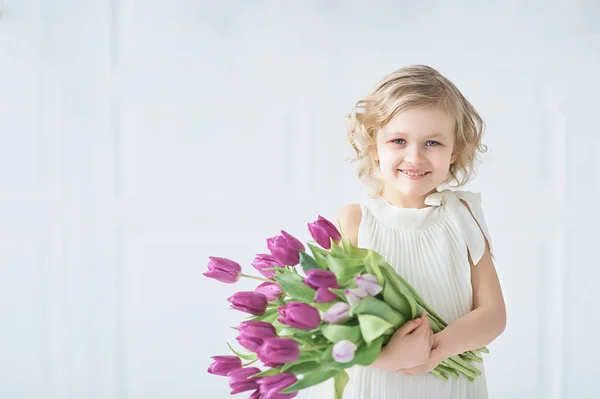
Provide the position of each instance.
(404, 300)
(346, 245)
(367, 354)
(245, 357)
(373, 327)
(397, 300)
(267, 373)
(338, 332)
(357, 252)
(409, 291)
(319, 254)
(337, 249)
(304, 367)
(372, 266)
(345, 268)
(269, 316)
(308, 262)
(310, 379)
(340, 382)
(292, 284)
(373, 306)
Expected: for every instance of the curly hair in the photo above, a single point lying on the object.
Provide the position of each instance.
(414, 86)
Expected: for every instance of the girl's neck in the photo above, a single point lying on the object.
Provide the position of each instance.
(401, 200)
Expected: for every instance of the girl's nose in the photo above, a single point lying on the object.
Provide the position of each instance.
(414, 154)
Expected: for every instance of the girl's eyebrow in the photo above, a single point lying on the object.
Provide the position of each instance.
(429, 135)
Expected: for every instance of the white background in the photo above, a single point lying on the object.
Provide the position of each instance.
(138, 137)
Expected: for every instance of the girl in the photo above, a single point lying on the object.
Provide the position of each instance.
(412, 134)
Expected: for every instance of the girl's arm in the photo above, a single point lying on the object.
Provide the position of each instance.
(477, 328)
(486, 321)
(488, 318)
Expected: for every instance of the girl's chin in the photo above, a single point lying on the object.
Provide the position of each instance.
(415, 190)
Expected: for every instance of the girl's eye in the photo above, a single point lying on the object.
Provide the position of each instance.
(432, 143)
(399, 141)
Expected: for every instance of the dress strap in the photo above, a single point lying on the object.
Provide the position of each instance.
(474, 227)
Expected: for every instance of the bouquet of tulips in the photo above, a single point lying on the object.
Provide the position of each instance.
(306, 328)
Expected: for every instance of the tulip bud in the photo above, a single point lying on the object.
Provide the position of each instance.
(249, 301)
(270, 290)
(239, 380)
(354, 295)
(343, 351)
(285, 248)
(337, 314)
(318, 278)
(299, 315)
(321, 280)
(324, 295)
(323, 231)
(222, 365)
(265, 261)
(369, 284)
(253, 333)
(277, 351)
(270, 387)
(223, 270)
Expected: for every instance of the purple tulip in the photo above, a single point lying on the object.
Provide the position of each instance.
(354, 295)
(299, 315)
(265, 261)
(343, 351)
(285, 248)
(369, 284)
(222, 365)
(337, 314)
(318, 278)
(324, 295)
(249, 301)
(256, 395)
(270, 290)
(239, 380)
(253, 344)
(321, 280)
(260, 329)
(277, 351)
(223, 269)
(323, 231)
(253, 333)
(271, 386)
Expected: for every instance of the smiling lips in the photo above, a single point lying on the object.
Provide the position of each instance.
(414, 174)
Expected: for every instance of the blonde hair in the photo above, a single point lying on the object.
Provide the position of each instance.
(414, 86)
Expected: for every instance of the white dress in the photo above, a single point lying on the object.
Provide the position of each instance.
(428, 247)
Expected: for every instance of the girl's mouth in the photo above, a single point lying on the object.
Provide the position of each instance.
(414, 175)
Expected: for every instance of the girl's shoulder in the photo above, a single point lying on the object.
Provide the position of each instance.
(348, 217)
(466, 209)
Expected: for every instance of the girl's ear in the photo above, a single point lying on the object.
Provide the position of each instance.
(453, 158)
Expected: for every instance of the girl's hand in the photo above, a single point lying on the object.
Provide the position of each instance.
(409, 347)
(435, 358)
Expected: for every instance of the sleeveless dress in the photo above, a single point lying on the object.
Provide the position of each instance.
(429, 247)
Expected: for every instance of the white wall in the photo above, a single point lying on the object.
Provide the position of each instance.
(140, 137)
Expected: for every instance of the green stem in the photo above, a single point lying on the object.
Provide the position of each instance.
(249, 363)
(258, 278)
(459, 367)
(448, 370)
(471, 356)
(314, 348)
(439, 374)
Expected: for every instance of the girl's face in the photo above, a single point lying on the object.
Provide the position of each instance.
(415, 151)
